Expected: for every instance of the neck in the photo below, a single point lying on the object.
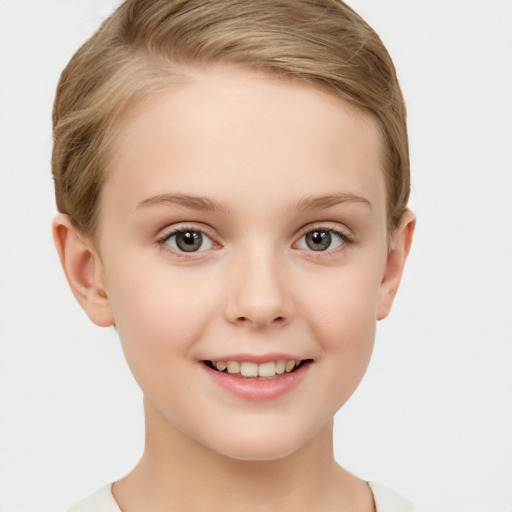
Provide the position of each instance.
(178, 473)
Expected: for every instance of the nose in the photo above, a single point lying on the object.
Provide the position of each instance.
(260, 291)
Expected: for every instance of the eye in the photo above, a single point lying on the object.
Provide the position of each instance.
(188, 240)
(321, 240)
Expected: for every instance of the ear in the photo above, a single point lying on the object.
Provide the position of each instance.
(84, 270)
(400, 247)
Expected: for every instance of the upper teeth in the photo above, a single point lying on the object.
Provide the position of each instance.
(249, 369)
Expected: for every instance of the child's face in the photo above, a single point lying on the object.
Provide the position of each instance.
(278, 196)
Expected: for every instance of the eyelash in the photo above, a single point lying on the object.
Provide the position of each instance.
(344, 237)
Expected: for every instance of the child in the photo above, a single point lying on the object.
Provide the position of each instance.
(232, 179)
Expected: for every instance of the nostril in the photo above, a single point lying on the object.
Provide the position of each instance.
(261, 321)
(276, 320)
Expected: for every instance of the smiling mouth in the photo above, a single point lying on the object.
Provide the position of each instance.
(250, 370)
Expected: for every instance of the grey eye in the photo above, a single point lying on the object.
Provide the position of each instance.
(320, 240)
(189, 241)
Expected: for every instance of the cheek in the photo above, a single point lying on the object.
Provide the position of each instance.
(343, 305)
(342, 317)
(160, 316)
(348, 335)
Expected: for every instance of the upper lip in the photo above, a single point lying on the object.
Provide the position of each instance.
(257, 358)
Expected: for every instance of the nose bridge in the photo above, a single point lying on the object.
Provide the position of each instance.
(260, 294)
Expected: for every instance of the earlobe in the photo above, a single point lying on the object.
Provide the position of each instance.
(397, 256)
(83, 269)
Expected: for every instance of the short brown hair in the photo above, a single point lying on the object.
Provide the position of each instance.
(144, 44)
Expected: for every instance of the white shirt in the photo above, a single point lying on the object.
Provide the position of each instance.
(385, 501)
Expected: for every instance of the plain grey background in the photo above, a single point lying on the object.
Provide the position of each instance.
(432, 417)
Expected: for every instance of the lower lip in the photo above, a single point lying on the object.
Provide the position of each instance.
(255, 389)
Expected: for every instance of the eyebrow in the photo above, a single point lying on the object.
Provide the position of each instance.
(323, 202)
(192, 202)
(207, 204)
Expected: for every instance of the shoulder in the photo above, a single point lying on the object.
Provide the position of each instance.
(387, 500)
(101, 501)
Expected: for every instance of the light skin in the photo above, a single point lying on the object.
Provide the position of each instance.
(284, 184)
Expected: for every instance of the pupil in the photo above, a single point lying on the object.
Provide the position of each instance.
(189, 241)
(318, 240)
(318, 237)
(188, 238)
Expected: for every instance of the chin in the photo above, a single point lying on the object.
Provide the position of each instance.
(261, 444)
(259, 453)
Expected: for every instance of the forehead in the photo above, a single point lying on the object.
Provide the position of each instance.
(230, 132)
